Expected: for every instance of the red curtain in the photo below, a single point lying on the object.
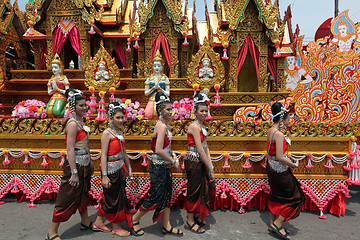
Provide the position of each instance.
(161, 40)
(43, 58)
(272, 64)
(59, 39)
(74, 36)
(120, 54)
(248, 44)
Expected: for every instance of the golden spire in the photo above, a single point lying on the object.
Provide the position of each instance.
(102, 61)
(157, 57)
(206, 57)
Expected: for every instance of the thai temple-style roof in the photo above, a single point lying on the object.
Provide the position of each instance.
(227, 14)
(36, 9)
(10, 14)
(129, 18)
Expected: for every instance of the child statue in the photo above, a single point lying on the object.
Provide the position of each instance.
(156, 82)
(206, 71)
(57, 86)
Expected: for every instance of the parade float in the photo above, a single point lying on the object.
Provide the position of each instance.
(244, 53)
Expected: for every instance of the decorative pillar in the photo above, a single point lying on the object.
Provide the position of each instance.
(263, 80)
(280, 80)
(2, 54)
(129, 56)
(184, 61)
(174, 57)
(232, 77)
(141, 58)
(38, 45)
(85, 46)
(148, 50)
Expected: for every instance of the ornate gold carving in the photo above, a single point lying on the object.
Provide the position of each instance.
(196, 64)
(173, 12)
(268, 15)
(225, 36)
(281, 79)
(159, 22)
(87, 8)
(2, 79)
(6, 23)
(216, 128)
(114, 75)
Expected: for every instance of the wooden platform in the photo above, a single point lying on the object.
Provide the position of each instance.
(29, 84)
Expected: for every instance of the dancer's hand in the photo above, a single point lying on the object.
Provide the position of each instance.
(131, 176)
(176, 165)
(91, 168)
(296, 163)
(106, 182)
(212, 176)
(74, 180)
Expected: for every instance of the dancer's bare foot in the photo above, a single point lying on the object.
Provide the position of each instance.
(121, 232)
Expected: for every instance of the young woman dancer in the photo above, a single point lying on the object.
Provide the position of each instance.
(159, 169)
(286, 197)
(75, 184)
(115, 166)
(199, 168)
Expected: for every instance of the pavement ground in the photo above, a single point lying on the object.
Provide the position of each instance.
(19, 222)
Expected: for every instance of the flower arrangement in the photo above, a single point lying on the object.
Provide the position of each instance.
(181, 110)
(134, 111)
(30, 108)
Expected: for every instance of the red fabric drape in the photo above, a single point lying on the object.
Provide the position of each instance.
(43, 58)
(248, 44)
(161, 40)
(272, 64)
(59, 39)
(74, 36)
(121, 54)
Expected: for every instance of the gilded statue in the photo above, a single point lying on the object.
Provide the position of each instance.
(206, 71)
(57, 86)
(101, 72)
(206, 68)
(102, 75)
(156, 82)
